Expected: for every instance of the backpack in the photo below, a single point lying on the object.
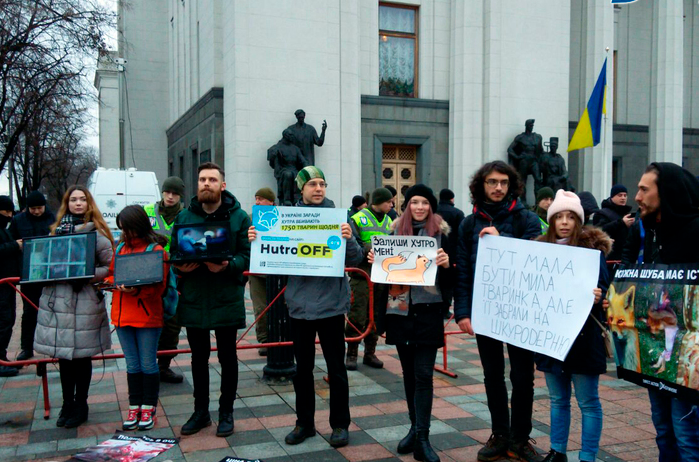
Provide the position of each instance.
(170, 295)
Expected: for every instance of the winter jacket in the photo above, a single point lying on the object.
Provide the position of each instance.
(72, 320)
(673, 239)
(611, 219)
(511, 219)
(453, 216)
(144, 308)
(27, 225)
(10, 255)
(424, 324)
(588, 354)
(315, 297)
(210, 300)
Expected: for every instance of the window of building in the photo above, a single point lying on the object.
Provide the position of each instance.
(398, 45)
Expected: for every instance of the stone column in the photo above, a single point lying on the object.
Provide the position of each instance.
(666, 84)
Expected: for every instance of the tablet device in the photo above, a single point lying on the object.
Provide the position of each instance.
(199, 242)
(137, 269)
(58, 258)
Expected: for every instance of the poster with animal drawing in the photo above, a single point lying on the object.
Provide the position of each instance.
(405, 260)
(653, 316)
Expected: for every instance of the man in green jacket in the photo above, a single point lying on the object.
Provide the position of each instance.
(162, 217)
(212, 297)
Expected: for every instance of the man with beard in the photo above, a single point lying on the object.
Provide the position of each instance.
(495, 189)
(615, 219)
(212, 298)
(33, 222)
(668, 199)
(10, 255)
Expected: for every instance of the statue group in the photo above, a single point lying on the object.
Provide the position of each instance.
(548, 168)
(292, 153)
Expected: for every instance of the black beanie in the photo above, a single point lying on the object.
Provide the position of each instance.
(174, 184)
(35, 199)
(380, 195)
(6, 203)
(423, 191)
(618, 188)
(358, 201)
(544, 193)
(446, 195)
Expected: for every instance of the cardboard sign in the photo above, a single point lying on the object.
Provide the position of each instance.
(654, 318)
(405, 260)
(533, 295)
(298, 241)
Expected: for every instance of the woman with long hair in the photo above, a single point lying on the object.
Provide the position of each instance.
(414, 322)
(72, 322)
(137, 313)
(587, 358)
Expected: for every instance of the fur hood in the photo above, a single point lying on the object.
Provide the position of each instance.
(444, 227)
(592, 238)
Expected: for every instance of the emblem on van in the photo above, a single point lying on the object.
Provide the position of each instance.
(111, 203)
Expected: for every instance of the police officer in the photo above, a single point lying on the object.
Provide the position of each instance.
(162, 216)
(368, 222)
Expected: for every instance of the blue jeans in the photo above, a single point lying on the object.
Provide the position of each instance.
(140, 346)
(677, 426)
(586, 392)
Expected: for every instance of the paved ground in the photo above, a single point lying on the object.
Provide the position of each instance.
(265, 413)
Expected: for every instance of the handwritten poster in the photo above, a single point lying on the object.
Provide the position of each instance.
(405, 260)
(533, 295)
(298, 241)
(654, 318)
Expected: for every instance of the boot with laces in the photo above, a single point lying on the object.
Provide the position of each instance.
(131, 422)
(147, 418)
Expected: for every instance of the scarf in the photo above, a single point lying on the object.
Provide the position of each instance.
(68, 223)
(169, 213)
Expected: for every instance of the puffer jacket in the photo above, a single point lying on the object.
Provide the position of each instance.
(587, 355)
(143, 308)
(611, 220)
(72, 320)
(511, 219)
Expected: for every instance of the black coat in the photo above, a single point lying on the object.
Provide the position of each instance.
(27, 225)
(588, 354)
(424, 324)
(511, 219)
(10, 255)
(454, 217)
(611, 219)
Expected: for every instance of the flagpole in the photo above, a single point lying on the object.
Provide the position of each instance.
(605, 119)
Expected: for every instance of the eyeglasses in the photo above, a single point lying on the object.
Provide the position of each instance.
(313, 184)
(494, 183)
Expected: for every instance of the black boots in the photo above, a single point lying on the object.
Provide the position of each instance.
(225, 423)
(200, 419)
(406, 445)
(78, 416)
(555, 456)
(65, 413)
(423, 450)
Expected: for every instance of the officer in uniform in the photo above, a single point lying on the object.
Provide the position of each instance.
(162, 216)
(368, 222)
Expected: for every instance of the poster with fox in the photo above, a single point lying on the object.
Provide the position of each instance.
(404, 260)
(653, 315)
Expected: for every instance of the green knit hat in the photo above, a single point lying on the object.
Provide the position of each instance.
(308, 173)
(544, 193)
(174, 184)
(266, 193)
(380, 195)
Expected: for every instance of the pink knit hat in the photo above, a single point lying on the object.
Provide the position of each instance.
(565, 200)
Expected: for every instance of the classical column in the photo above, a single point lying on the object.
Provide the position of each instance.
(666, 82)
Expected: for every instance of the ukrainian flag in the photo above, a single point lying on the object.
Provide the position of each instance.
(587, 133)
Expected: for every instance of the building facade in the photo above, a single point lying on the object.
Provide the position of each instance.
(412, 90)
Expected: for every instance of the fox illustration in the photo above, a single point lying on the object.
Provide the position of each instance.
(414, 275)
(622, 320)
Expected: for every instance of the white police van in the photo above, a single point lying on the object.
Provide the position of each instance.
(114, 189)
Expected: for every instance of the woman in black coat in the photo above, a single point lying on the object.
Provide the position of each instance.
(414, 321)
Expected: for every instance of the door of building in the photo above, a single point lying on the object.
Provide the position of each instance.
(398, 169)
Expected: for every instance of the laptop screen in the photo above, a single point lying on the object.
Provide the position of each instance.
(59, 258)
(201, 242)
(134, 269)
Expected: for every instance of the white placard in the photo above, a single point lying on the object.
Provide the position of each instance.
(405, 260)
(533, 295)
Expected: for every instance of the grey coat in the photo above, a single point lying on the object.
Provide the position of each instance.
(314, 297)
(72, 320)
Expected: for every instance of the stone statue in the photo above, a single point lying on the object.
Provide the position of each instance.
(306, 136)
(524, 154)
(553, 168)
(286, 159)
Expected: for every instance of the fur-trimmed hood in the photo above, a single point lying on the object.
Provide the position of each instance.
(592, 238)
(444, 227)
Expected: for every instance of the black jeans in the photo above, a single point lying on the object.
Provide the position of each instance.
(200, 343)
(169, 340)
(417, 362)
(331, 332)
(33, 293)
(75, 379)
(522, 378)
(8, 305)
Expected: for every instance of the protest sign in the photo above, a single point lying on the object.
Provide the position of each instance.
(298, 241)
(406, 260)
(654, 318)
(533, 295)
(127, 448)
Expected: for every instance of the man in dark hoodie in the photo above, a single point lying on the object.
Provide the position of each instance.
(33, 222)
(212, 297)
(10, 255)
(615, 219)
(495, 189)
(668, 199)
(317, 305)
